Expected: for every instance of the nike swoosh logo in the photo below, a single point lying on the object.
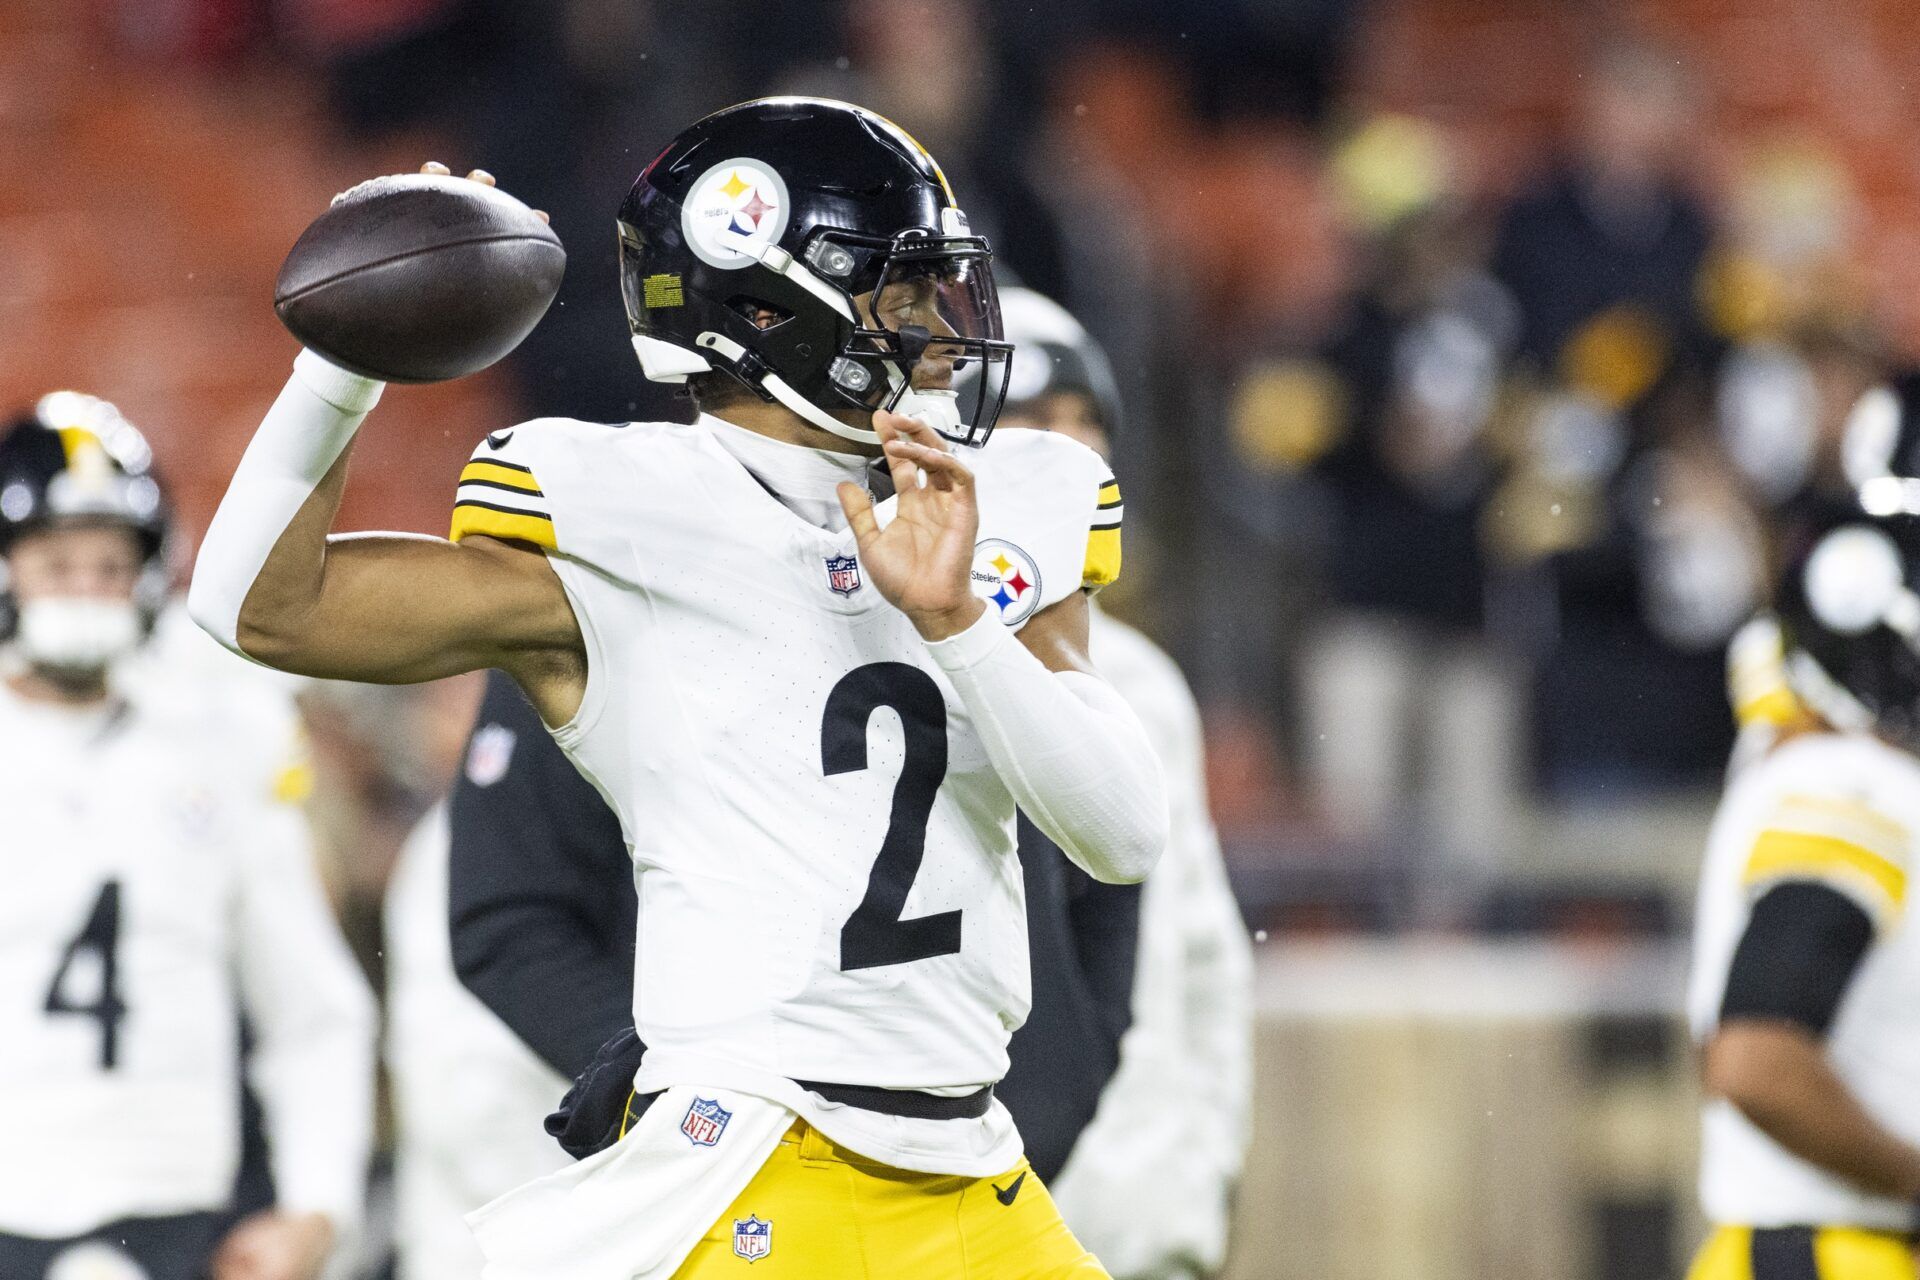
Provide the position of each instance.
(1006, 1195)
(498, 439)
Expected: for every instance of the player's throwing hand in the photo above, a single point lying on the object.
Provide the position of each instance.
(921, 559)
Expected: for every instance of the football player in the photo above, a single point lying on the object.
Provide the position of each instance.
(1805, 994)
(157, 887)
(468, 1095)
(812, 703)
(1150, 1181)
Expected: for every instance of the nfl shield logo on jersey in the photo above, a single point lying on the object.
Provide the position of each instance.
(752, 1238)
(843, 575)
(705, 1121)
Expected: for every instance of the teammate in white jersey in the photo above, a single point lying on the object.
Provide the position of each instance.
(812, 707)
(467, 1094)
(157, 887)
(1805, 993)
(1150, 1182)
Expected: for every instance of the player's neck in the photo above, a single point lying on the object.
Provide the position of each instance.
(777, 422)
(59, 688)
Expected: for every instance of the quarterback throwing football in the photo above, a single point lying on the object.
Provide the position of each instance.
(812, 689)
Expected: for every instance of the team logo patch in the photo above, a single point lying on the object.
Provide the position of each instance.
(843, 575)
(733, 210)
(1006, 578)
(705, 1121)
(752, 1238)
(489, 754)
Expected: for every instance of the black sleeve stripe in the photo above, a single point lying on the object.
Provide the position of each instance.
(1108, 506)
(501, 462)
(1106, 524)
(495, 506)
(1803, 943)
(495, 484)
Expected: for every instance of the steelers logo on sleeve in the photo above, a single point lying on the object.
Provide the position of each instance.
(1007, 579)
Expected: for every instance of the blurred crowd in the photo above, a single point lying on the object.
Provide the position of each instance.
(1453, 467)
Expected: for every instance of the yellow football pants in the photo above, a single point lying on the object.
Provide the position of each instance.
(817, 1211)
(1804, 1253)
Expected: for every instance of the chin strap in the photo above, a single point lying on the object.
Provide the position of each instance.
(668, 362)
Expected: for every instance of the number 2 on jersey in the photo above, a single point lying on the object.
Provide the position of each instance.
(875, 934)
(100, 936)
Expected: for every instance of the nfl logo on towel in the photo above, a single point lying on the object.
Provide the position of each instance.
(843, 574)
(752, 1239)
(706, 1120)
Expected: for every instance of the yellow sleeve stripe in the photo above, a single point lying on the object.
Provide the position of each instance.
(1779, 855)
(1775, 706)
(1109, 494)
(1103, 558)
(500, 475)
(1843, 819)
(294, 784)
(472, 517)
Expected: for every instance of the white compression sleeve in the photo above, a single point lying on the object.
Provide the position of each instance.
(298, 442)
(1068, 747)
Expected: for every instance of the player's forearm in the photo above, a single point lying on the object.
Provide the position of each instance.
(1069, 749)
(1778, 1076)
(262, 564)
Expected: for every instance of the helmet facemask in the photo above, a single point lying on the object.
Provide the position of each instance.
(931, 316)
(861, 324)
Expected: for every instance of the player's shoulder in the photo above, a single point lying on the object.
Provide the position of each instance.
(1146, 676)
(552, 482)
(1024, 449)
(564, 440)
(1839, 808)
(1050, 516)
(1122, 651)
(1853, 764)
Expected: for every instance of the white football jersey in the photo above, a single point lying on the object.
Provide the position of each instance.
(468, 1096)
(1149, 1185)
(828, 884)
(156, 884)
(1843, 810)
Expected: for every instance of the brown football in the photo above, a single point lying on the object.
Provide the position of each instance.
(419, 278)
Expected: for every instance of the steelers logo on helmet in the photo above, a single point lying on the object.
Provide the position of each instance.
(1007, 579)
(733, 211)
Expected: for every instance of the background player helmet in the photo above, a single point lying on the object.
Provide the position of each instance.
(1880, 447)
(1053, 354)
(799, 206)
(75, 457)
(1849, 609)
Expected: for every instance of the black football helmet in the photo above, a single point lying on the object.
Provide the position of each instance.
(1053, 353)
(837, 224)
(76, 457)
(1849, 610)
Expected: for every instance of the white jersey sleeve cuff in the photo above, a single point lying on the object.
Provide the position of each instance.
(298, 442)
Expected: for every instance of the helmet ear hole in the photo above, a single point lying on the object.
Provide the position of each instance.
(1852, 579)
(758, 312)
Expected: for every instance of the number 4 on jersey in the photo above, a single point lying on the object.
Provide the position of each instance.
(100, 936)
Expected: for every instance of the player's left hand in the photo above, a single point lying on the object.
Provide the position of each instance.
(920, 562)
(274, 1246)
